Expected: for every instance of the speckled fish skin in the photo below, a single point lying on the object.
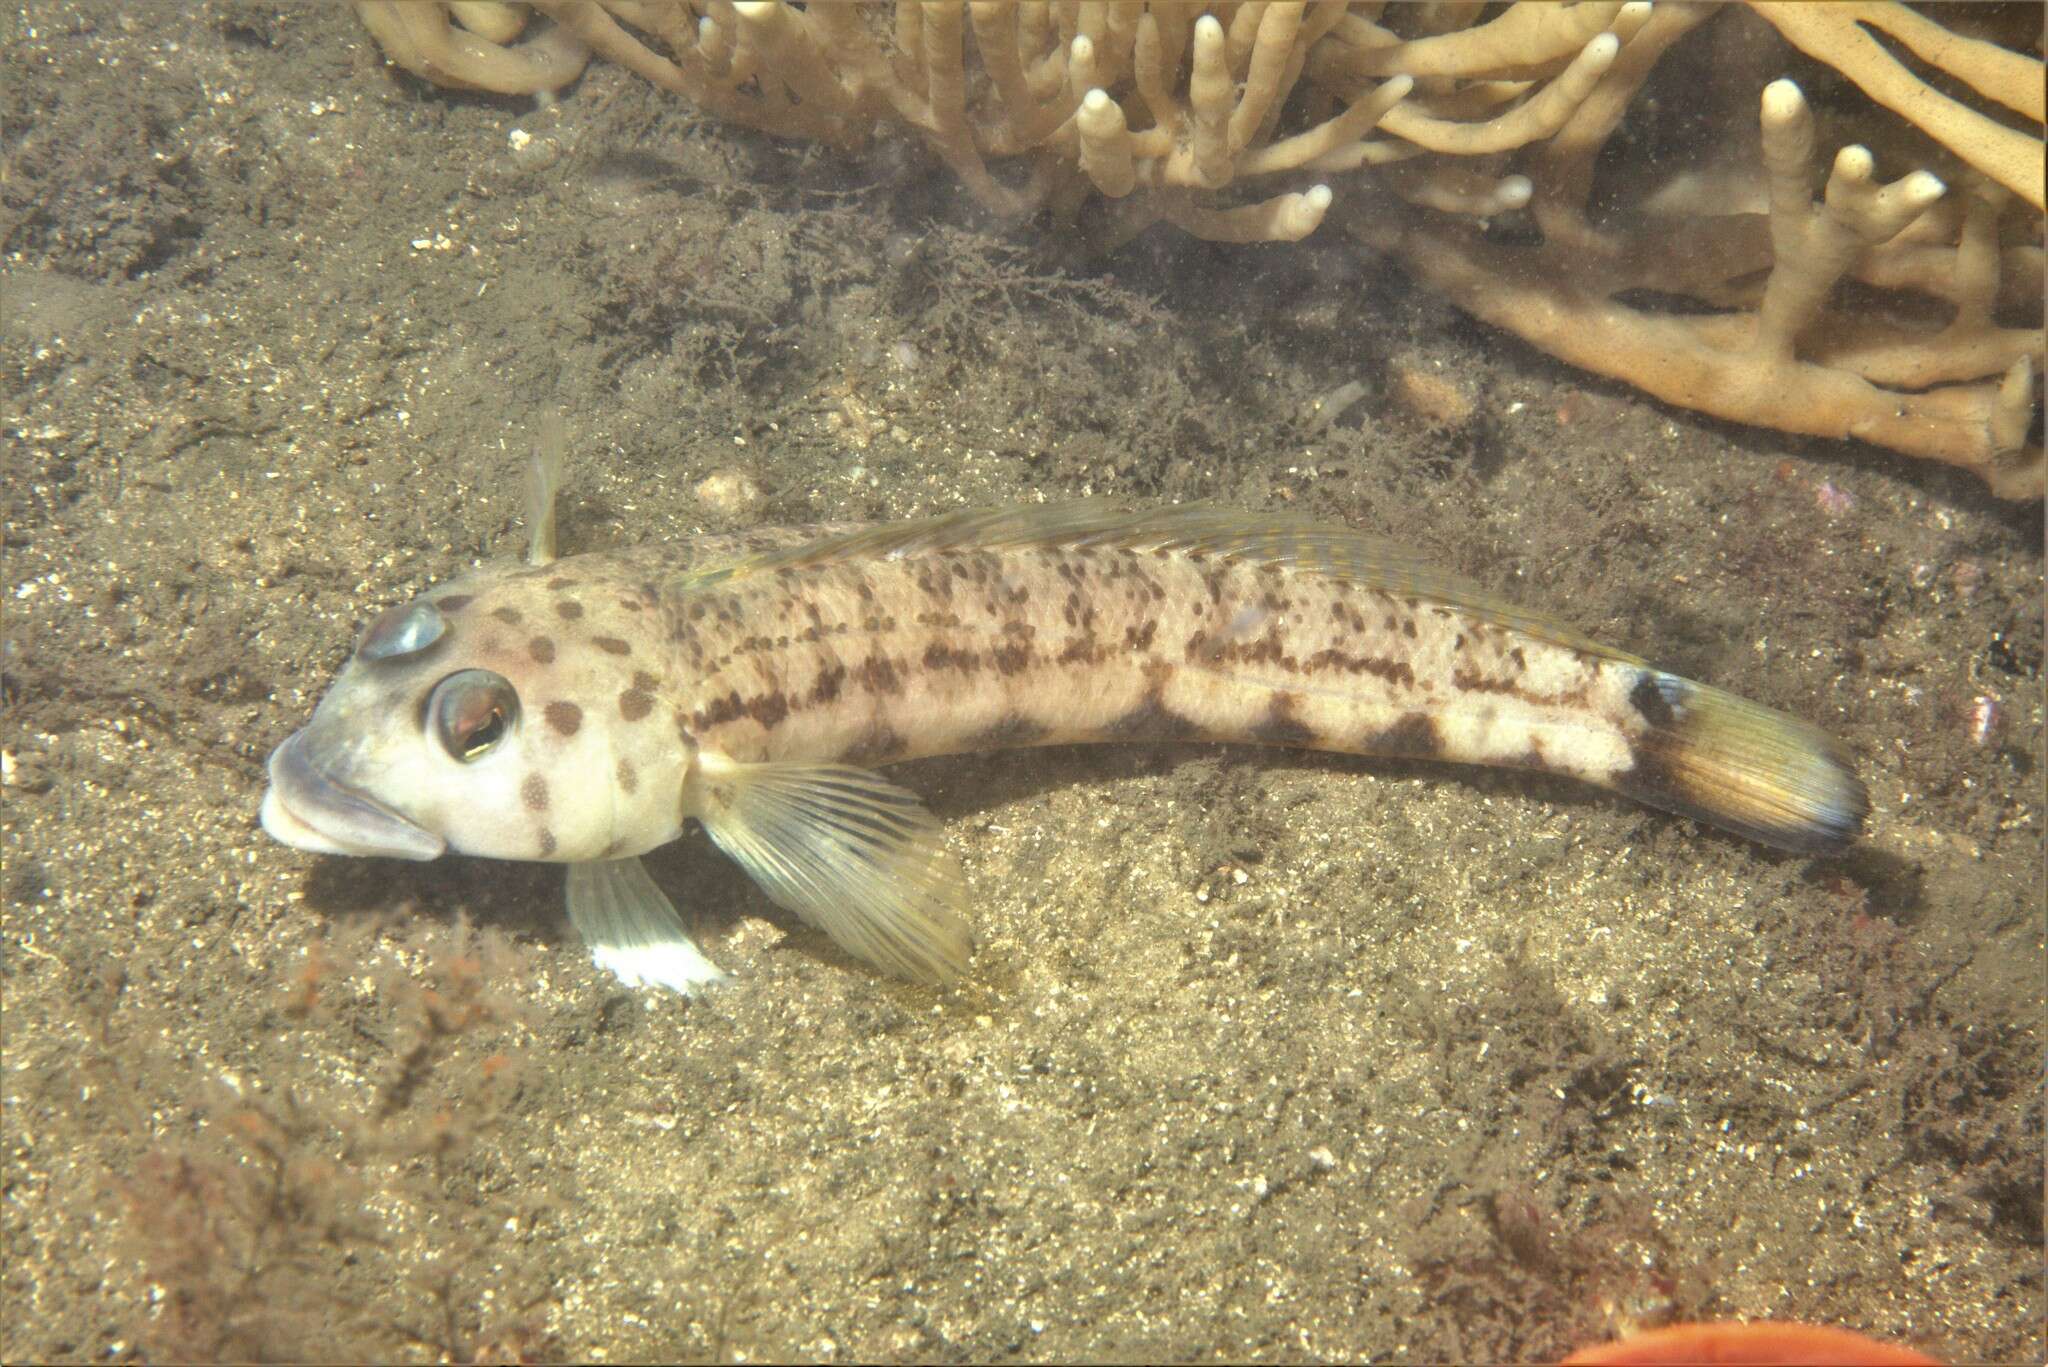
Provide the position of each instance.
(969, 649)
(626, 692)
(975, 650)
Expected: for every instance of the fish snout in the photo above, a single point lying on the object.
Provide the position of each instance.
(308, 809)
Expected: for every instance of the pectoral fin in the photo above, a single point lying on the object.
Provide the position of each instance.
(849, 852)
(633, 929)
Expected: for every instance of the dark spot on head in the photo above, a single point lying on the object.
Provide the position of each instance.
(564, 717)
(644, 681)
(612, 645)
(534, 793)
(633, 704)
(454, 602)
(569, 609)
(826, 688)
(547, 842)
(542, 649)
(1408, 628)
(629, 777)
(509, 616)
(560, 582)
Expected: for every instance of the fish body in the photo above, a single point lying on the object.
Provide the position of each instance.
(581, 710)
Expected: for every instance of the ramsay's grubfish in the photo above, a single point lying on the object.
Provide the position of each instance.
(580, 710)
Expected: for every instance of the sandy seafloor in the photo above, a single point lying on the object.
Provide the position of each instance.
(1263, 1055)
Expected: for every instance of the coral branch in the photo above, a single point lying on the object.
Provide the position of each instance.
(1836, 34)
(1248, 122)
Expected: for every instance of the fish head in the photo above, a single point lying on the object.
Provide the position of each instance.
(514, 714)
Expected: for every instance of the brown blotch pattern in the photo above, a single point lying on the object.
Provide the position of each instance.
(1011, 657)
(612, 645)
(563, 717)
(825, 688)
(568, 609)
(454, 602)
(879, 744)
(719, 711)
(1152, 720)
(1415, 736)
(1280, 727)
(629, 777)
(509, 616)
(547, 842)
(534, 793)
(1012, 732)
(769, 709)
(542, 649)
(877, 674)
(1472, 681)
(634, 704)
(1038, 641)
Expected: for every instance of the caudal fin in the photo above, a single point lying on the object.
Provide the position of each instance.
(1743, 767)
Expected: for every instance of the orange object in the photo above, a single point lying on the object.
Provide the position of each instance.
(1749, 1345)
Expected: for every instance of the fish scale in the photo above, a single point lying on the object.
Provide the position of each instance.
(582, 709)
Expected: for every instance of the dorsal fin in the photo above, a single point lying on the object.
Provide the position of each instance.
(543, 484)
(1278, 540)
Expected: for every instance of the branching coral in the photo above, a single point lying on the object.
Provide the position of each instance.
(480, 52)
(1780, 351)
(1844, 36)
(1426, 122)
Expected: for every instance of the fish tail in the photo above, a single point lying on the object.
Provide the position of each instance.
(1745, 768)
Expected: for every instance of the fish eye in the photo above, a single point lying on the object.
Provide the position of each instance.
(404, 630)
(472, 711)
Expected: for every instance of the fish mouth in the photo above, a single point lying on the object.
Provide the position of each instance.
(307, 810)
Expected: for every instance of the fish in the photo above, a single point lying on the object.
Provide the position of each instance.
(582, 709)
(1756, 1343)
